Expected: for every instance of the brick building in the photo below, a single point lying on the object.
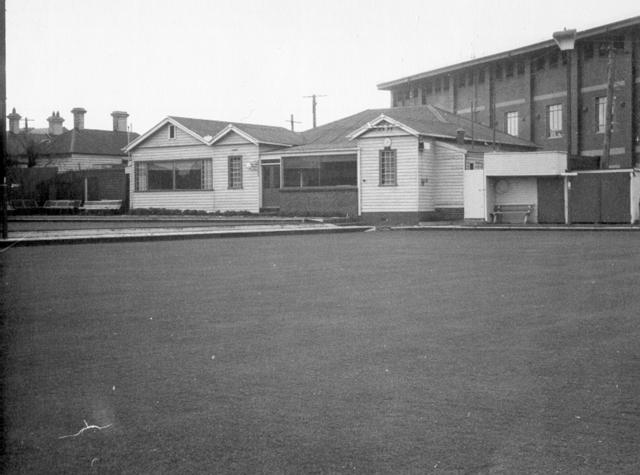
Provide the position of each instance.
(554, 98)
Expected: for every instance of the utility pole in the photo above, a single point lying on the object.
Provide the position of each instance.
(3, 120)
(291, 121)
(314, 103)
(608, 121)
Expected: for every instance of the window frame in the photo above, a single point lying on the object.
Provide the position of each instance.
(142, 182)
(171, 133)
(554, 113)
(235, 178)
(388, 177)
(511, 123)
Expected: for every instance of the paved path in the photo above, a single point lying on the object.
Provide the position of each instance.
(73, 236)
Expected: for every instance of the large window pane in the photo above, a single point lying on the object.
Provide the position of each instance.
(188, 175)
(160, 175)
(324, 170)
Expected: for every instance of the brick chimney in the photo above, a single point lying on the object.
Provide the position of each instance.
(78, 117)
(460, 136)
(119, 121)
(14, 121)
(55, 123)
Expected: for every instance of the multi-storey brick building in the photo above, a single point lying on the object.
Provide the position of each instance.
(556, 99)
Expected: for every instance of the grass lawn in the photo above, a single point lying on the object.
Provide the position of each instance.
(388, 352)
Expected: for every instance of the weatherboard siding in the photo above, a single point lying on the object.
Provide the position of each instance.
(221, 198)
(426, 178)
(161, 139)
(248, 197)
(232, 138)
(400, 198)
(448, 183)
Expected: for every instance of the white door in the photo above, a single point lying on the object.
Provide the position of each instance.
(474, 199)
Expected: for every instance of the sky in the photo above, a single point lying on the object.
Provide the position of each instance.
(255, 60)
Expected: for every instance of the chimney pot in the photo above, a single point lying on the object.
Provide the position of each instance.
(14, 121)
(460, 136)
(55, 124)
(78, 117)
(119, 121)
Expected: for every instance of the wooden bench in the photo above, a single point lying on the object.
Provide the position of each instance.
(524, 210)
(102, 206)
(62, 205)
(23, 206)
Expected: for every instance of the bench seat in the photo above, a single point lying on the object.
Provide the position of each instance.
(102, 205)
(61, 205)
(524, 209)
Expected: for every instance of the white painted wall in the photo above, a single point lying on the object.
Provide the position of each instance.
(426, 177)
(525, 163)
(635, 197)
(474, 194)
(158, 147)
(449, 177)
(400, 198)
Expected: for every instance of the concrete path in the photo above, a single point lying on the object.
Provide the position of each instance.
(74, 236)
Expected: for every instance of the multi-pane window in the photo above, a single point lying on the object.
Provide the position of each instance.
(554, 120)
(235, 172)
(388, 167)
(601, 114)
(172, 175)
(511, 122)
(324, 170)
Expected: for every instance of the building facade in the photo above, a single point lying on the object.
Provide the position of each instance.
(554, 98)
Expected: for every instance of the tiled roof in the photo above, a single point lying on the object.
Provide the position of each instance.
(427, 120)
(83, 141)
(262, 133)
(90, 142)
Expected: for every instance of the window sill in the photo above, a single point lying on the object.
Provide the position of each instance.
(293, 189)
(172, 191)
(555, 137)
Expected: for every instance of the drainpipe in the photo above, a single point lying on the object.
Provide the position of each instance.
(359, 158)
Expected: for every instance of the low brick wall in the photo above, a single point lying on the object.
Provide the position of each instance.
(321, 201)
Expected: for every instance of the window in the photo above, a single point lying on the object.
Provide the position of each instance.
(438, 86)
(235, 172)
(322, 170)
(461, 80)
(540, 64)
(172, 131)
(511, 123)
(172, 175)
(553, 60)
(603, 49)
(520, 68)
(388, 169)
(445, 83)
(601, 114)
(498, 72)
(587, 51)
(481, 76)
(554, 121)
(509, 70)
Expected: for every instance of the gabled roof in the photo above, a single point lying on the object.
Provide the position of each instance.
(581, 35)
(427, 121)
(210, 131)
